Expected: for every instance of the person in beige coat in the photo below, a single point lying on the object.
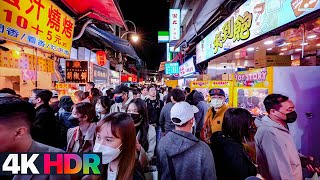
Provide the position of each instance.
(82, 137)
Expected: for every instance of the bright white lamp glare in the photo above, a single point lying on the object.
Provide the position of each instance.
(135, 38)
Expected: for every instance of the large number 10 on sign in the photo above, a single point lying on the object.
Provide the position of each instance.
(39, 23)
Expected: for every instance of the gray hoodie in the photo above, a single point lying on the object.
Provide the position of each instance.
(191, 158)
(277, 155)
(203, 107)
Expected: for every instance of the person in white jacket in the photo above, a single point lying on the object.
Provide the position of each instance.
(122, 99)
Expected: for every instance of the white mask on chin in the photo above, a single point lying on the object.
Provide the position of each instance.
(108, 153)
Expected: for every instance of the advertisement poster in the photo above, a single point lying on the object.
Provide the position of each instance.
(252, 19)
(205, 86)
(100, 74)
(251, 87)
(40, 24)
(17, 60)
(187, 68)
(77, 71)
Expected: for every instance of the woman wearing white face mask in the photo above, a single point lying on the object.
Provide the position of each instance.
(103, 107)
(146, 134)
(81, 138)
(117, 143)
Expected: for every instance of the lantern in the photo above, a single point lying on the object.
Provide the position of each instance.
(101, 58)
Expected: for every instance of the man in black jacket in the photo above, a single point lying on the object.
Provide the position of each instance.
(45, 126)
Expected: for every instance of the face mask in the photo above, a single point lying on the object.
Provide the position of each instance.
(137, 118)
(108, 153)
(216, 103)
(99, 108)
(118, 99)
(291, 117)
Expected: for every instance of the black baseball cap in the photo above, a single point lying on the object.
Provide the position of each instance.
(121, 88)
(217, 91)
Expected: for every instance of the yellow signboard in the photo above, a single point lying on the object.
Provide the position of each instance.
(39, 23)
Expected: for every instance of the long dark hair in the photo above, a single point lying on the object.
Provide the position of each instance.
(106, 103)
(122, 127)
(142, 110)
(236, 123)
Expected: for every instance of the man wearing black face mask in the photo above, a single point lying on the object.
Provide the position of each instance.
(277, 155)
(122, 99)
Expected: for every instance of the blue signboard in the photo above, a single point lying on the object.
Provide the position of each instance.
(171, 68)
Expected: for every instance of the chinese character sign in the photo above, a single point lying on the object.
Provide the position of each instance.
(77, 71)
(100, 74)
(174, 26)
(187, 68)
(39, 23)
(249, 21)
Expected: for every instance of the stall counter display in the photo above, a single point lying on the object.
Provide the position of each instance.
(250, 89)
(205, 86)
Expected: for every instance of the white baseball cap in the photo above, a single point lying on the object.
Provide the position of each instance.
(182, 111)
(54, 93)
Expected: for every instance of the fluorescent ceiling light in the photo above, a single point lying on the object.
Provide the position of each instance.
(269, 49)
(304, 44)
(312, 36)
(281, 54)
(268, 42)
(298, 50)
(284, 49)
(250, 49)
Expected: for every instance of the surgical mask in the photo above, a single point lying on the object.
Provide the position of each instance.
(291, 117)
(217, 103)
(108, 153)
(137, 119)
(118, 99)
(99, 108)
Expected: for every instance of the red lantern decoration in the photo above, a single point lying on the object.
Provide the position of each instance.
(101, 58)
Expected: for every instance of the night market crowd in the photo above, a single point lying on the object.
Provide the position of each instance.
(156, 133)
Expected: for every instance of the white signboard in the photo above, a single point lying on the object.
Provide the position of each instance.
(174, 26)
(187, 68)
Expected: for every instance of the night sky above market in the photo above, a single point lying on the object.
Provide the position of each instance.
(150, 16)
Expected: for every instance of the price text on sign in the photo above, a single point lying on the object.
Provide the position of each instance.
(39, 23)
(62, 86)
(50, 163)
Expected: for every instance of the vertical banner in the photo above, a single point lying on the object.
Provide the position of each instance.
(174, 28)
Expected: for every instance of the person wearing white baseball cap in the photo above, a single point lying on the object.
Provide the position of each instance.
(181, 154)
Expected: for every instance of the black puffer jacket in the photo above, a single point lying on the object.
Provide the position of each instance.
(45, 126)
(230, 158)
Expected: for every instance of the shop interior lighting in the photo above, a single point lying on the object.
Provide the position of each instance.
(237, 53)
(304, 44)
(298, 50)
(281, 54)
(268, 42)
(318, 44)
(269, 49)
(250, 49)
(312, 36)
(284, 49)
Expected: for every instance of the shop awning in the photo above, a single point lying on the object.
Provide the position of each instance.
(115, 42)
(103, 10)
(205, 14)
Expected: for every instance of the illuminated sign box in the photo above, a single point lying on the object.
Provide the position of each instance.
(251, 20)
(187, 68)
(171, 68)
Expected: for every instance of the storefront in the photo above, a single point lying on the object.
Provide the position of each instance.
(100, 76)
(259, 48)
(114, 78)
(31, 39)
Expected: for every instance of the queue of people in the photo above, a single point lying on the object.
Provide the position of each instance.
(176, 132)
